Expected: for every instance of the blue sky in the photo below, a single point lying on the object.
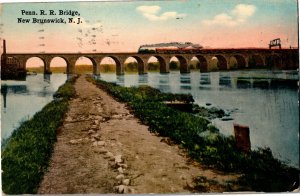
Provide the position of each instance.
(123, 26)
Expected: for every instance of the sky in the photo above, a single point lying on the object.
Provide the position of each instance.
(122, 26)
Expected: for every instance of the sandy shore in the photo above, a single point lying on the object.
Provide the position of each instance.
(102, 148)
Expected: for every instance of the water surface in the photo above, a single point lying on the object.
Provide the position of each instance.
(20, 100)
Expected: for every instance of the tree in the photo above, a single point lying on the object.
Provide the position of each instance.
(173, 65)
(153, 66)
(132, 66)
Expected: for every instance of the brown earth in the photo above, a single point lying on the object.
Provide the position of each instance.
(101, 146)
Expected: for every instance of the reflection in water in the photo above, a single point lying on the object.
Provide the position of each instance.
(47, 78)
(243, 83)
(164, 83)
(204, 87)
(164, 79)
(15, 89)
(12, 89)
(205, 79)
(4, 93)
(225, 81)
(22, 99)
(185, 87)
(185, 82)
(185, 78)
(143, 79)
(121, 80)
(259, 99)
(261, 83)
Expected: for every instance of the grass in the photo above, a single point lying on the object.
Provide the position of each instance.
(26, 155)
(259, 170)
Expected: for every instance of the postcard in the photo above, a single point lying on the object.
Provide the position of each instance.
(149, 97)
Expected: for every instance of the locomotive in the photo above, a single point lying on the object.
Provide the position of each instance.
(170, 48)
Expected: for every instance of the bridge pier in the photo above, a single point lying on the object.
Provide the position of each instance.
(120, 70)
(164, 67)
(96, 66)
(142, 65)
(71, 66)
(47, 69)
(247, 61)
(184, 65)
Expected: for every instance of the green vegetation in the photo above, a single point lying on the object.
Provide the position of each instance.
(79, 69)
(153, 66)
(173, 65)
(131, 67)
(27, 153)
(259, 170)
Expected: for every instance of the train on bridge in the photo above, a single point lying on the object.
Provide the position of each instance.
(190, 48)
(170, 48)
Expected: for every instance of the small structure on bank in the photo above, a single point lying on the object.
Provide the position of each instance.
(242, 137)
(10, 67)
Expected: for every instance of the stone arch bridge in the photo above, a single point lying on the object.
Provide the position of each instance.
(244, 58)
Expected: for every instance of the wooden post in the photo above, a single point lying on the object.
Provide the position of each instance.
(242, 137)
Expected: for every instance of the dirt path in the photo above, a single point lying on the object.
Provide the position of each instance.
(101, 146)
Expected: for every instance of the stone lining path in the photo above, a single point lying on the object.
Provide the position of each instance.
(102, 148)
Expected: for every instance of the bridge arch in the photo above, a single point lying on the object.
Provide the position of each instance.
(238, 60)
(183, 64)
(119, 67)
(255, 61)
(203, 65)
(274, 61)
(221, 62)
(289, 60)
(163, 66)
(141, 67)
(35, 61)
(59, 60)
(85, 59)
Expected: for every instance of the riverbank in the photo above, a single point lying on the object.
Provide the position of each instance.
(26, 154)
(259, 169)
(103, 148)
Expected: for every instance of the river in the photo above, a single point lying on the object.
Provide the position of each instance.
(253, 98)
(20, 100)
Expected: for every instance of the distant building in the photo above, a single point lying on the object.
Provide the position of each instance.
(10, 67)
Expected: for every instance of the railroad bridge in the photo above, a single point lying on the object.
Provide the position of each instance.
(245, 58)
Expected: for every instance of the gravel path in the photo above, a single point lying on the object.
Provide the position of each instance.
(102, 148)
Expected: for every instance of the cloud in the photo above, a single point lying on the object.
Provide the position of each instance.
(152, 13)
(240, 14)
(243, 11)
(149, 9)
(221, 19)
